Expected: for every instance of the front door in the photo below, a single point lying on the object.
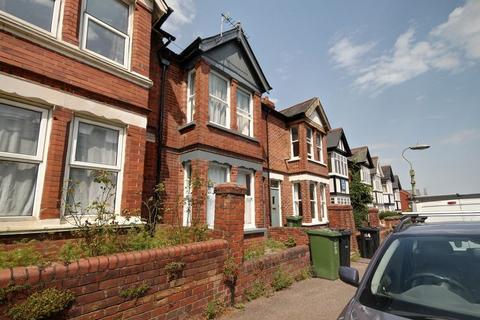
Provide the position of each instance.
(275, 204)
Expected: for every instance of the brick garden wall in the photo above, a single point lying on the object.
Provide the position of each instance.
(97, 282)
(283, 234)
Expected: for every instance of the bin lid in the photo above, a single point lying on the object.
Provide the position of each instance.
(294, 218)
(345, 232)
(324, 233)
(368, 229)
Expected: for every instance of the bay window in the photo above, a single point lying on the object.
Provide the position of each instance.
(187, 194)
(190, 96)
(217, 174)
(319, 147)
(323, 203)
(106, 29)
(297, 200)
(246, 179)
(244, 113)
(39, 13)
(22, 140)
(309, 144)
(295, 146)
(219, 97)
(313, 201)
(96, 152)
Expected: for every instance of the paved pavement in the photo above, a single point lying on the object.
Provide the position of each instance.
(309, 299)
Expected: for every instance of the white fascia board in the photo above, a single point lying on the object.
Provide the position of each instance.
(309, 177)
(27, 90)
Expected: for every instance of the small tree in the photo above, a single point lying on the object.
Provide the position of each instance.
(360, 195)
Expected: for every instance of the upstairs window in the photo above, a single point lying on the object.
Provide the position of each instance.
(39, 13)
(244, 113)
(309, 144)
(297, 200)
(339, 164)
(106, 29)
(191, 96)
(219, 106)
(319, 147)
(365, 175)
(295, 148)
(341, 146)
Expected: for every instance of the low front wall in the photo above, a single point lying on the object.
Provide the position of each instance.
(97, 282)
(293, 261)
(284, 233)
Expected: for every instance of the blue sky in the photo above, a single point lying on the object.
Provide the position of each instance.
(391, 73)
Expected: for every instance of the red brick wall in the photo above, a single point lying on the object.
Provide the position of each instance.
(284, 233)
(341, 217)
(373, 219)
(97, 282)
(405, 200)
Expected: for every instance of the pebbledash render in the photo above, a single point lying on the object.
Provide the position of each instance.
(74, 90)
(209, 123)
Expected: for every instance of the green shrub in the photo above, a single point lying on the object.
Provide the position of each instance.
(10, 290)
(281, 280)
(290, 242)
(21, 257)
(385, 214)
(230, 270)
(256, 291)
(70, 252)
(174, 267)
(214, 309)
(274, 245)
(306, 273)
(135, 292)
(254, 252)
(42, 305)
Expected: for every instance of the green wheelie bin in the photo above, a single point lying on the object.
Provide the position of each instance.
(324, 253)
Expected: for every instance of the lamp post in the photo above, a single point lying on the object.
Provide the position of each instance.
(412, 172)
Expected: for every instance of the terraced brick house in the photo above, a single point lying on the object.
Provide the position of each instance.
(295, 166)
(74, 89)
(377, 189)
(338, 154)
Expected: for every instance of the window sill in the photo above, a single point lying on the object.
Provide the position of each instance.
(317, 162)
(254, 230)
(50, 42)
(313, 224)
(233, 132)
(186, 126)
(293, 159)
(334, 174)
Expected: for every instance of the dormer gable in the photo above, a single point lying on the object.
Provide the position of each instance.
(310, 110)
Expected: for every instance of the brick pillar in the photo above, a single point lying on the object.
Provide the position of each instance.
(341, 217)
(373, 219)
(229, 216)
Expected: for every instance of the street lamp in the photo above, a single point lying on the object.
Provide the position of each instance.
(412, 172)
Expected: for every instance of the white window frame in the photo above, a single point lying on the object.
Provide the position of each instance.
(297, 198)
(319, 147)
(323, 203)
(39, 158)
(252, 196)
(242, 113)
(187, 194)
(309, 141)
(85, 17)
(117, 168)
(56, 23)
(292, 155)
(313, 201)
(190, 96)
(215, 164)
(210, 96)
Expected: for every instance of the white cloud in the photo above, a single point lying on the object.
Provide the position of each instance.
(183, 14)
(346, 54)
(446, 48)
(462, 137)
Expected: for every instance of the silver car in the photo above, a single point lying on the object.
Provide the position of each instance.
(428, 268)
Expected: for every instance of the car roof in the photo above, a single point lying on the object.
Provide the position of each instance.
(441, 228)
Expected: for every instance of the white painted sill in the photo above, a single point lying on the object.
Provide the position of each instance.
(317, 162)
(293, 159)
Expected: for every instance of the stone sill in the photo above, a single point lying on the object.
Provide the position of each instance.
(255, 231)
(313, 224)
(186, 126)
(293, 159)
(317, 162)
(228, 130)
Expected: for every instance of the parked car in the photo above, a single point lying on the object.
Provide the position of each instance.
(428, 268)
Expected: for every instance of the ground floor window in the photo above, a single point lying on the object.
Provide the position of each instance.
(95, 166)
(323, 203)
(22, 138)
(313, 201)
(340, 200)
(246, 178)
(187, 194)
(217, 174)
(297, 199)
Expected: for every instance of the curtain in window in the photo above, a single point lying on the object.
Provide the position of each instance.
(17, 188)
(216, 175)
(86, 190)
(96, 144)
(218, 103)
(19, 129)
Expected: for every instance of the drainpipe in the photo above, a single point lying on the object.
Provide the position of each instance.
(161, 105)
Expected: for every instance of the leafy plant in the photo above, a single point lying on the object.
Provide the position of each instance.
(22, 256)
(42, 305)
(70, 252)
(254, 252)
(305, 274)
(10, 290)
(256, 291)
(230, 270)
(281, 280)
(214, 309)
(290, 242)
(387, 214)
(360, 196)
(174, 269)
(135, 292)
